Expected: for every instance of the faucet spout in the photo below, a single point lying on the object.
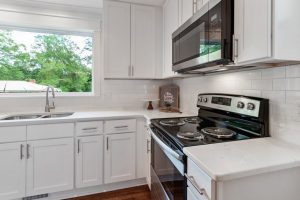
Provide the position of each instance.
(48, 107)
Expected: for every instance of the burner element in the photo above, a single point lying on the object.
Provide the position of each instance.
(191, 136)
(171, 122)
(193, 120)
(221, 133)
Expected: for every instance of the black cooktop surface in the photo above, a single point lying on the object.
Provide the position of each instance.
(190, 125)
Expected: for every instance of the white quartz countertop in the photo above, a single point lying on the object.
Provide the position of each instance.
(232, 160)
(94, 115)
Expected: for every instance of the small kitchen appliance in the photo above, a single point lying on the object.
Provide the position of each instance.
(221, 118)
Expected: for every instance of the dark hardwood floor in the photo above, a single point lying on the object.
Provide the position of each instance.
(136, 193)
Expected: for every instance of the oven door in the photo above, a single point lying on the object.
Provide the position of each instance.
(167, 170)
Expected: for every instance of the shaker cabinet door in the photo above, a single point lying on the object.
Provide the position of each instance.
(50, 166)
(252, 37)
(117, 40)
(120, 157)
(12, 170)
(89, 161)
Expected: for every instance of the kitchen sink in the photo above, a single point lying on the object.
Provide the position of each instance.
(57, 115)
(37, 116)
(20, 117)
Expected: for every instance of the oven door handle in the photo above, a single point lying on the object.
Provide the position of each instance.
(165, 147)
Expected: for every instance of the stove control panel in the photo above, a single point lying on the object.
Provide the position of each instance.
(241, 105)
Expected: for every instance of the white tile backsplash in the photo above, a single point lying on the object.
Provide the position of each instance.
(281, 85)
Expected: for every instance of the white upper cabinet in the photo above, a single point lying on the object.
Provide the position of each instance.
(252, 37)
(265, 32)
(117, 40)
(12, 170)
(89, 161)
(143, 41)
(187, 10)
(50, 166)
(171, 23)
(131, 40)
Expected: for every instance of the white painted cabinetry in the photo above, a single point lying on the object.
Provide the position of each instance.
(120, 157)
(148, 160)
(187, 10)
(171, 23)
(131, 40)
(50, 166)
(12, 170)
(89, 161)
(269, 36)
(252, 33)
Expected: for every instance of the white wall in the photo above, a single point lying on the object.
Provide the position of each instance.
(280, 85)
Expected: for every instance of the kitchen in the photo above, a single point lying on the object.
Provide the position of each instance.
(235, 64)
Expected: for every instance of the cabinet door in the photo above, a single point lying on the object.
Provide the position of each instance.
(89, 161)
(143, 41)
(12, 171)
(120, 157)
(50, 166)
(187, 9)
(252, 31)
(171, 23)
(117, 40)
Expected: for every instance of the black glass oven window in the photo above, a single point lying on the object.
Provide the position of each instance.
(170, 178)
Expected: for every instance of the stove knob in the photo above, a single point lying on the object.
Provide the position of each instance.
(241, 105)
(250, 106)
(205, 100)
(200, 99)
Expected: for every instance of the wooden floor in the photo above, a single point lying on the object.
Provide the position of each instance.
(136, 193)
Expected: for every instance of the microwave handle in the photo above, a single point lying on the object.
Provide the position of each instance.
(165, 147)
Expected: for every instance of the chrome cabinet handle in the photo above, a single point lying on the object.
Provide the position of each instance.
(195, 6)
(148, 146)
(132, 70)
(129, 70)
(121, 126)
(21, 151)
(201, 191)
(90, 129)
(236, 47)
(28, 151)
(78, 146)
(107, 143)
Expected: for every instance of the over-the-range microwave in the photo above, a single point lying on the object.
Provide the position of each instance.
(204, 42)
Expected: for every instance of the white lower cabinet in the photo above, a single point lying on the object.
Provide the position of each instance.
(120, 157)
(50, 166)
(148, 159)
(89, 161)
(12, 171)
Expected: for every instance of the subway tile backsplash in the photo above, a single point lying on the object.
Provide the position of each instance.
(281, 85)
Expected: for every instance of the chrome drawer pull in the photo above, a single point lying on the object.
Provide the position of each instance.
(201, 191)
(90, 129)
(21, 152)
(121, 126)
(28, 149)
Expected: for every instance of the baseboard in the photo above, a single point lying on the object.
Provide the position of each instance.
(95, 189)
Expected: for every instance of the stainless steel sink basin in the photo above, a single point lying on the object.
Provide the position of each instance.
(57, 115)
(20, 117)
(38, 116)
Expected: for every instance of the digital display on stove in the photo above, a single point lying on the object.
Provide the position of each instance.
(221, 101)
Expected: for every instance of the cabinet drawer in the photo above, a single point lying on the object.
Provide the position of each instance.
(120, 126)
(89, 128)
(200, 180)
(12, 134)
(48, 131)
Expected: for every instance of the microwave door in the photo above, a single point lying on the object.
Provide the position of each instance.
(215, 33)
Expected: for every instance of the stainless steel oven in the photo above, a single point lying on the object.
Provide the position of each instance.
(167, 169)
(205, 40)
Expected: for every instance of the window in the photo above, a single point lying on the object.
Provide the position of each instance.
(32, 60)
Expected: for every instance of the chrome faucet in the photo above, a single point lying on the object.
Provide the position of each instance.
(48, 107)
